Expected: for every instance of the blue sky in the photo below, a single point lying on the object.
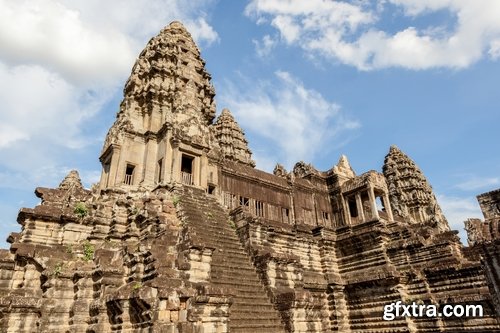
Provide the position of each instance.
(307, 80)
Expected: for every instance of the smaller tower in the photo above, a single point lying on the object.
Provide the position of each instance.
(232, 140)
(410, 194)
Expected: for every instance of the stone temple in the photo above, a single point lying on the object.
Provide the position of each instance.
(184, 235)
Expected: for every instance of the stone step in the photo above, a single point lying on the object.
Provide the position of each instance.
(207, 221)
(253, 326)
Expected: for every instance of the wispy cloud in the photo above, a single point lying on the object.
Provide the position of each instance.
(297, 120)
(347, 31)
(475, 183)
(264, 47)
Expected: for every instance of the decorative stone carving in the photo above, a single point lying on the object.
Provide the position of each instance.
(480, 232)
(301, 169)
(71, 181)
(410, 194)
(231, 139)
(280, 171)
(344, 168)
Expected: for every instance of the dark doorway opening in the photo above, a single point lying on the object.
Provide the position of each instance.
(129, 174)
(187, 169)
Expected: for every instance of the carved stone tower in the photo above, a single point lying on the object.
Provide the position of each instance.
(410, 193)
(161, 133)
(232, 140)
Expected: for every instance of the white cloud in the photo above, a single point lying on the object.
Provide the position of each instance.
(494, 50)
(296, 119)
(89, 41)
(347, 32)
(265, 46)
(61, 61)
(474, 183)
(38, 104)
(457, 210)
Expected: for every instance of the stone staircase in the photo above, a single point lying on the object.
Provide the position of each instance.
(209, 226)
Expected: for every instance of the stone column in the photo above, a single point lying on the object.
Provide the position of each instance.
(373, 203)
(347, 214)
(113, 167)
(359, 206)
(149, 161)
(203, 170)
(176, 163)
(168, 160)
(387, 205)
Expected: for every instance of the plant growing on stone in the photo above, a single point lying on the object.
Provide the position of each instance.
(58, 269)
(69, 248)
(176, 200)
(134, 210)
(81, 210)
(88, 251)
(137, 286)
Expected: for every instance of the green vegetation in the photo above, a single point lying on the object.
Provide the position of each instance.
(88, 251)
(137, 285)
(134, 210)
(231, 223)
(69, 248)
(58, 269)
(176, 200)
(81, 210)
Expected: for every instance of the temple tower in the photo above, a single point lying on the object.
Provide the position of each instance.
(231, 139)
(162, 133)
(410, 194)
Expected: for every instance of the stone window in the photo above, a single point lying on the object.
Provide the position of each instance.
(229, 200)
(211, 189)
(325, 216)
(285, 215)
(187, 169)
(259, 208)
(245, 202)
(353, 209)
(129, 174)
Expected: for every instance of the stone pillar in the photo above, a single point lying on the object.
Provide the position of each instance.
(176, 163)
(347, 213)
(387, 205)
(203, 171)
(373, 203)
(168, 161)
(359, 206)
(113, 167)
(125, 316)
(149, 161)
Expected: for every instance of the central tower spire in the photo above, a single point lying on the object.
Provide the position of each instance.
(161, 133)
